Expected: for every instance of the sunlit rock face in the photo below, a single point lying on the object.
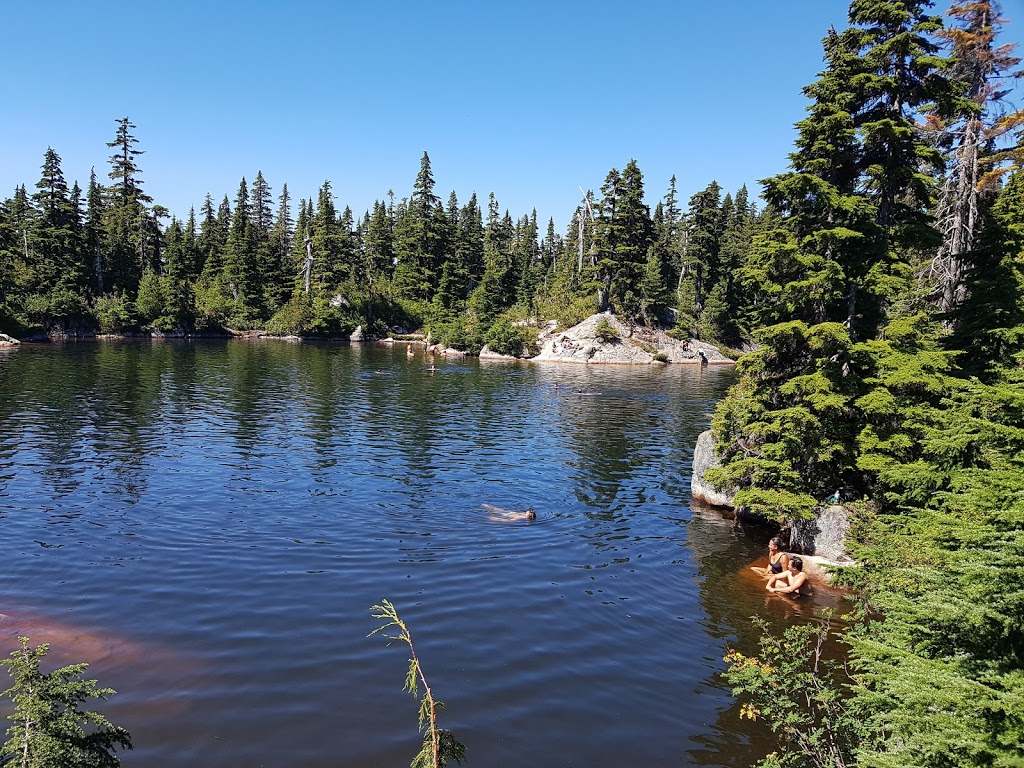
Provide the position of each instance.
(824, 535)
(704, 458)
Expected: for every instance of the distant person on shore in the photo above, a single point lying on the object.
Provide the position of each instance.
(792, 582)
(499, 515)
(778, 561)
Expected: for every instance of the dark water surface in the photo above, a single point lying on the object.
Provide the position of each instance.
(209, 523)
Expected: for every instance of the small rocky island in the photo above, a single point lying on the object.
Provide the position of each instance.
(604, 338)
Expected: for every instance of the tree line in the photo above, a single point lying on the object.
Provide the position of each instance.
(110, 259)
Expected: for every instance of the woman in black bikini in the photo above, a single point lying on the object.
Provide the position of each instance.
(778, 561)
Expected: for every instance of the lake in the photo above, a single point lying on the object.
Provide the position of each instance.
(208, 524)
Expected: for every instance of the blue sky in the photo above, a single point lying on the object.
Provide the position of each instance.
(529, 100)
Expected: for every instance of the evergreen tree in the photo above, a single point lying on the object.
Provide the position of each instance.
(126, 219)
(55, 239)
(277, 264)
(241, 262)
(975, 122)
(701, 264)
(97, 265)
(469, 247)
(603, 265)
(50, 729)
(418, 237)
(633, 236)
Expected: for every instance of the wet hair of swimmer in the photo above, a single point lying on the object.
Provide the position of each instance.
(531, 513)
(797, 563)
(777, 542)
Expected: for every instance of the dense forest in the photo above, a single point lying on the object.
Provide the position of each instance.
(110, 259)
(879, 291)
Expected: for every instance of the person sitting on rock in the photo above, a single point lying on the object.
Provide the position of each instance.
(792, 582)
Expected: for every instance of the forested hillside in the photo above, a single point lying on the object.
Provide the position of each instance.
(111, 259)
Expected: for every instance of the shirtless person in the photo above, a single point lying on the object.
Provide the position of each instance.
(792, 582)
(499, 515)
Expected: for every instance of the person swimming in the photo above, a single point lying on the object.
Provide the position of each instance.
(499, 515)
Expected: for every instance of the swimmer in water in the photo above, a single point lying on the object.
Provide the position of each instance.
(499, 515)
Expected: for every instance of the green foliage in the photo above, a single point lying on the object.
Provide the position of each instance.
(605, 331)
(439, 745)
(61, 309)
(660, 357)
(150, 302)
(795, 685)
(291, 319)
(214, 304)
(50, 730)
(115, 313)
(507, 338)
(786, 430)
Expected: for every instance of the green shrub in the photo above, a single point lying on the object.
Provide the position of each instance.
(214, 305)
(605, 331)
(661, 357)
(505, 338)
(115, 313)
(291, 319)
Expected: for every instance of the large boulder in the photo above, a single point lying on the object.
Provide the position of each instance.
(824, 535)
(704, 458)
(6, 340)
(488, 354)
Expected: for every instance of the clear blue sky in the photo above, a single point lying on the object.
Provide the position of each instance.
(530, 100)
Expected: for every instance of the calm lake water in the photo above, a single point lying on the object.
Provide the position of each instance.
(209, 523)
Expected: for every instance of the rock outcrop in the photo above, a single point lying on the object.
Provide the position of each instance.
(633, 344)
(821, 540)
(6, 340)
(824, 535)
(487, 354)
(704, 458)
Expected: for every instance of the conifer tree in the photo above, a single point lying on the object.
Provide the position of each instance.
(55, 239)
(606, 236)
(127, 223)
(975, 122)
(277, 265)
(469, 247)
(701, 267)
(49, 727)
(240, 258)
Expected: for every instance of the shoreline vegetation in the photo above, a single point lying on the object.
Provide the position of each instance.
(878, 296)
(621, 344)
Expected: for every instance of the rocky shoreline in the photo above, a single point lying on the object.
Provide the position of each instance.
(820, 541)
(600, 339)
